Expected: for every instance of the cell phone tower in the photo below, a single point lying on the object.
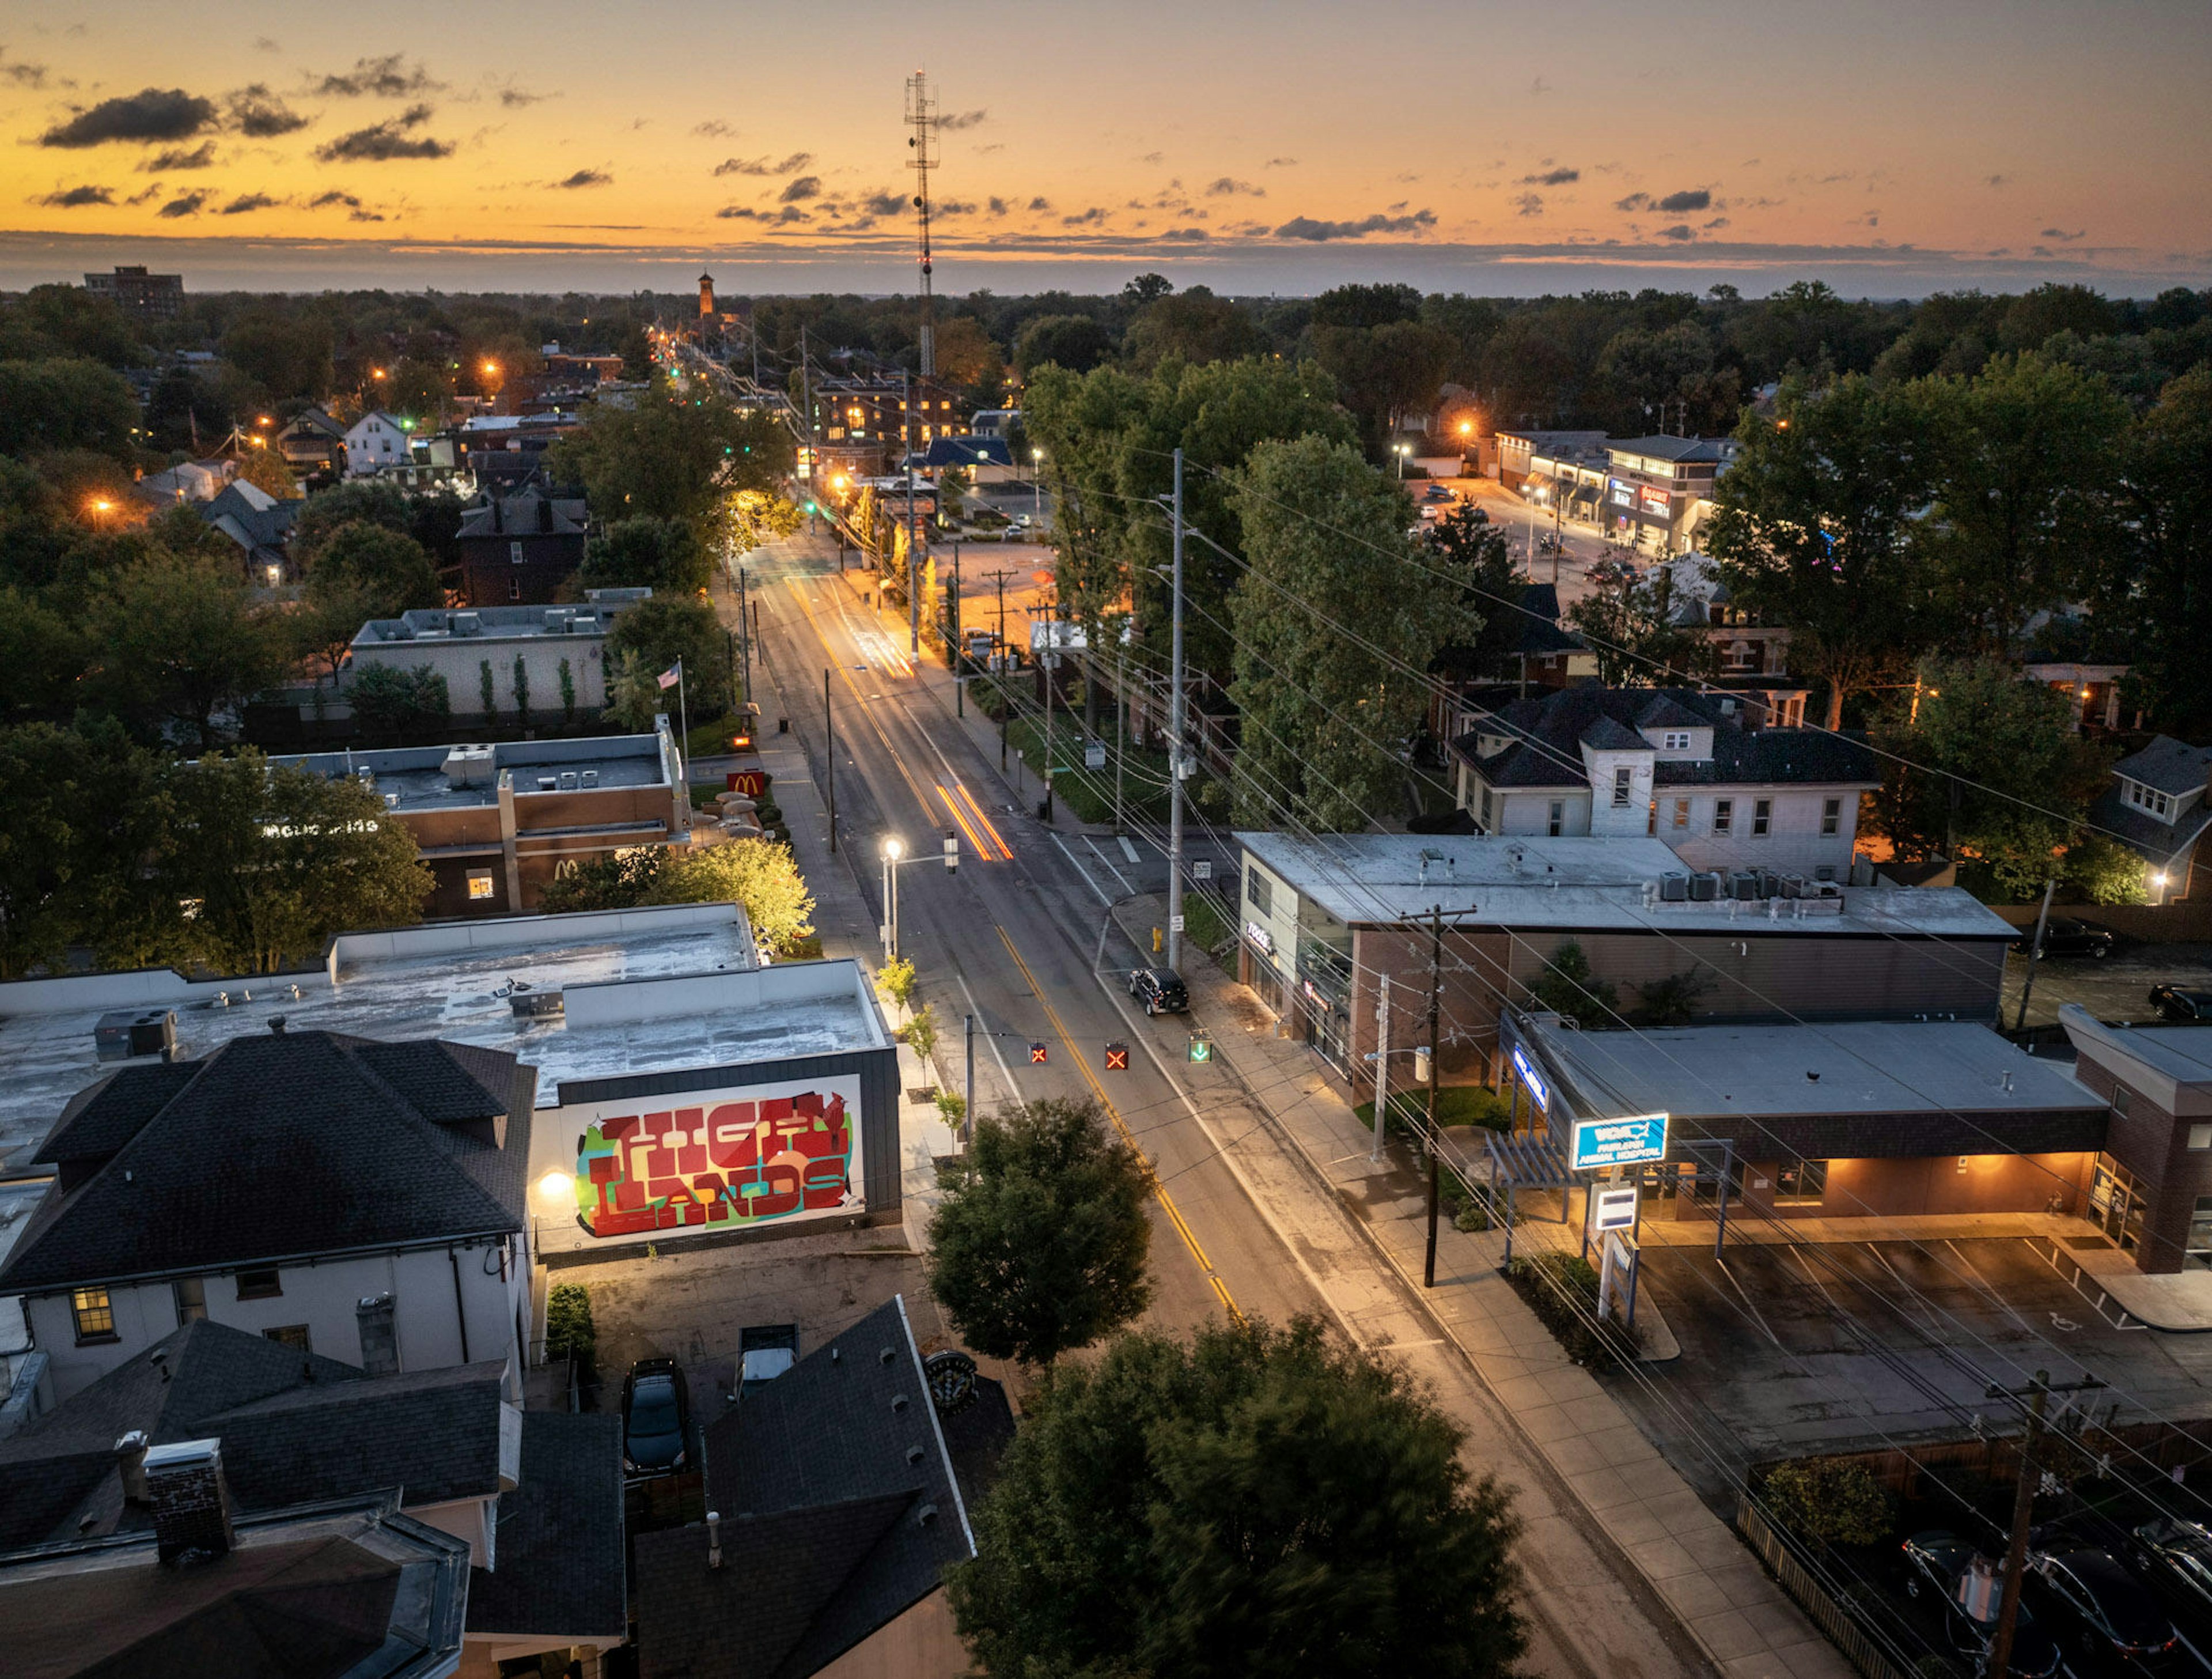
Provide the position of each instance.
(921, 117)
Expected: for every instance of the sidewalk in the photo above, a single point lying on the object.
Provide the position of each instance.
(1694, 1564)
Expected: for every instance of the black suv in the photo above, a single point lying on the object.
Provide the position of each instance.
(1160, 990)
(656, 1417)
(2173, 1003)
(2063, 936)
(2176, 1556)
(1938, 1563)
(2113, 1613)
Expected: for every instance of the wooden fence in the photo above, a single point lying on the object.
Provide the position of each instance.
(2135, 1446)
(1842, 1628)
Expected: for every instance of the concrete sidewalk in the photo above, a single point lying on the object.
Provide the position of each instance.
(1694, 1564)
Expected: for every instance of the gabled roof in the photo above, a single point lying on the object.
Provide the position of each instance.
(821, 1547)
(968, 452)
(560, 1551)
(523, 514)
(2168, 765)
(292, 1144)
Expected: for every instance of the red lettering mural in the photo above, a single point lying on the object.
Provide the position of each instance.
(738, 1163)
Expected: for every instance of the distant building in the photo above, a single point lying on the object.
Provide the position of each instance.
(312, 441)
(1659, 489)
(1522, 454)
(375, 442)
(2157, 806)
(519, 548)
(136, 292)
(259, 523)
(455, 643)
(994, 421)
(1744, 646)
(191, 481)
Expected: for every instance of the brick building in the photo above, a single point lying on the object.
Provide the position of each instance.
(2151, 1183)
(516, 548)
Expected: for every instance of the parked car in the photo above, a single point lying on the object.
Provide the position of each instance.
(765, 1351)
(2173, 1003)
(2064, 936)
(656, 1411)
(2112, 1613)
(1936, 1564)
(1161, 991)
(2176, 1559)
(1436, 492)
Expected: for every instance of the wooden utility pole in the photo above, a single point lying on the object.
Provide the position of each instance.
(1436, 992)
(2023, 1503)
(829, 758)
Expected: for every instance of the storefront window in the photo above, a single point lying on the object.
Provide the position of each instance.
(2116, 1202)
(2199, 1255)
(1801, 1183)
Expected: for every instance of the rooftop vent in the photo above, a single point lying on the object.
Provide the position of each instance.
(591, 778)
(124, 1033)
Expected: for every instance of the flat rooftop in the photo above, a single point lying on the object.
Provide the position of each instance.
(1868, 1067)
(1582, 884)
(433, 624)
(417, 774)
(645, 990)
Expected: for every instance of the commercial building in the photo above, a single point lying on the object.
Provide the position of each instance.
(1658, 488)
(1524, 455)
(561, 652)
(518, 547)
(136, 292)
(1325, 924)
(2151, 1185)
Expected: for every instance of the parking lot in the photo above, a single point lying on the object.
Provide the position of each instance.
(2114, 987)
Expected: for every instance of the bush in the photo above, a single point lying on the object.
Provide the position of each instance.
(1561, 1289)
(2100, 870)
(569, 1332)
(896, 980)
(1830, 1500)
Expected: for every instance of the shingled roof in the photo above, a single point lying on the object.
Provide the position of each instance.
(561, 1552)
(291, 1144)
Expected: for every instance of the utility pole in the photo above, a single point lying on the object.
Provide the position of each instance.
(2034, 957)
(829, 758)
(1176, 750)
(2000, 1660)
(914, 527)
(813, 442)
(1047, 664)
(746, 628)
(967, 1108)
(1004, 707)
(1435, 991)
(1120, 739)
(921, 117)
(959, 646)
(1381, 1063)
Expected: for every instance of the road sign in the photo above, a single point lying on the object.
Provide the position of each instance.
(1618, 1142)
(1202, 868)
(1201, 1049)
(1036, 1055)
(1175, 923)
(1614, 1208)
(1094, 755)
(1117, 1058)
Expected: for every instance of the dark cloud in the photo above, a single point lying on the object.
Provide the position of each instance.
(739, 213)
(586, 178)
(152, 191)
(260, 115)
(784, 217)
(1530, 203)
(324, 200)
(76, 198)
(1723, 220)
(713, 129)
(1675, 203)
(1552, 178)
(1153, 157)
(806, 186)
(1186, 235)
(386, 142)
(388, 77)
(2061, 235)
(366, 215)
(960, 119)
(763, 166)
(515, 97)
(185, 204)
(996, 206)
(1039, 204)
(151, 114)
(1681, 233)
(174, 158)
(1634, 201)
(883, 204)
(1089, 218)
(22, 75)
(245, 203)
(953, 207)
(1305, 228)
(263, 44)
(1228, 187)
(1280, 163)
(1997, 181)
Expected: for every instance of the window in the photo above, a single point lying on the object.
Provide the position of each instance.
(2120, 1100)
(514, 588)
(1724, 813)
(1485, 810)
(1762, 816)
(1623, 778)
(1800, 1183)
(191, 1299)
(480, 888)
(1259, 892)
(1674, 741)
(258, 1285)
(1558, 817)
(1832, 815)
(2200, 1137)
(94, 1313)
(1682, 814)
(514, 553)
(290, 1334)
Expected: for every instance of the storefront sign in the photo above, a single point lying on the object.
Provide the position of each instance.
(1657, 503)
(1618, 1142)
(1538, 1091)
(1614, 1208)
(1261, 938)
(751, 782)
(1623, 496)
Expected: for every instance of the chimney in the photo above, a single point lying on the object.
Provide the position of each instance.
(544, 514)
(130, 1464)
(192, 1505)
(379, 1342)
(494, 499)
(714, 1539)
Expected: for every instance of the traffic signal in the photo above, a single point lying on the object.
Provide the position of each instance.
(1036, 1055)
(1117, 1058)
(1202, 1047)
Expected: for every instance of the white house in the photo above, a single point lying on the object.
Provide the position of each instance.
(373, 442)
(1691, 769)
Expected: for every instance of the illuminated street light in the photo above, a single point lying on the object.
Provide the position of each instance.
(892, 850)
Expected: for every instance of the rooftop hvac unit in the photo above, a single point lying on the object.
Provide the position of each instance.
(1793, 886)
(391, 801)
(127, 1032)
(591, 778)
(538, 1005)
(470, 766)
(1743, 884)
(1675, 887)
(1825, 890)
(585, 623)
(1769, 883)
(568, 780)
(1705, 888)
(548, 783)
(468, 624)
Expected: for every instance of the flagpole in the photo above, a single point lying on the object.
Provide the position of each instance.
(684, 717)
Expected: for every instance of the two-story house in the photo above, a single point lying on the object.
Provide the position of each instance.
(2156, 805)
(1696, 770)
(1744, 645)
(519, 548)
(375, 442)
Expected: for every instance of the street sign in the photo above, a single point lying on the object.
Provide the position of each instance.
(1618, 1142)
(1036, 1055)
(1202, 868)
(1201, 1049)
(1539, 1093)
(1094, 755)
(1117, 1058)
(1175, 923)
(1614, 1208)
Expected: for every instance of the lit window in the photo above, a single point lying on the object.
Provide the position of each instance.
(1800, 1183)
(1832, 815)
(1682, 814)
(514, 553)
(1762, 816)
(1724, 813)
(479, 885)
(2200, 1137)
(95, 1314)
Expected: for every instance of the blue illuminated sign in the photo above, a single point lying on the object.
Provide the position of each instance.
(1538, 1091)
(1618, 1142)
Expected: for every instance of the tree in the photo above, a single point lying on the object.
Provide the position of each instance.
(276, 860)
(1567, 986)
(1039, 1244)
(1261, 1502)
(392, 704)
(330, 615)
(1637, 628)
(287, 355)
(1465, 545)
(360, 501)
(180, 639)
(1335, 626)
(672, 456)
(1146, 289)
(77, 807)
(1831, 1500)
(645, 552)
(649, 639)
(373, 564)
(266, 469)
(2166, 479)
(2098, 869)
(1383, 371)
(966, 356)
(618, 880)
(1196, 326)
(1077, 342)
(42, 652)
(759, 875)
(65, 405)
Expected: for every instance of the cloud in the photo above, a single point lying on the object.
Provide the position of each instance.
(1185, 235)
(263, 44)
(245, 203)
(995, 145)
(586, 178)
(996, 206)
(515, 98)
(187, 204)
(1997, 181)
(365, 216)
(1676, 202)
(1153, 157)
(713, 129)
(1226, 187)
(151, 114)
(76, 198)
(763, 166)
(153, 190)
(385, 142)
(960, 119)
(1681, 233)
(201, 157)
(1305, 228)
(1039, 204)
(388, 77)
(1089, 218)
(806, 186)
(883, 204)
(1634, 201)
(23, 75)
(1530, 203)
(1552, 178)
(1280, 163)
(260, 115)
(953, 207)
(740, 213)
(1540, 87)
(324, 200)
(2062, 235)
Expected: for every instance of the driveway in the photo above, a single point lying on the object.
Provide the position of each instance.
(2115, 988)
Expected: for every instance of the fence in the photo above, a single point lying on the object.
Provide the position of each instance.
(2163, 1446)
(1842, 1628)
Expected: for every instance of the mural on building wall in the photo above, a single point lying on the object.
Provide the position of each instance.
(757, 1160)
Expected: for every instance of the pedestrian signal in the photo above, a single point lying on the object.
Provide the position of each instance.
(1036, 1055)
(1117, 1058)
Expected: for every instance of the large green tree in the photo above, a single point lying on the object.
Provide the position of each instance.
(1465, 547)
(1335, 623)
(1040, 1242)
(1633, 622)
(2167, 481)
(645, 552)
(79, 810)
(65, 405)
(369, 564)
(1261, 1502)
(673, 455)
(180, 639)
(648, 640)
(759, 874)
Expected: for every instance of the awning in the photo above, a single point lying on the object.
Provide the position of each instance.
(1528, 1161)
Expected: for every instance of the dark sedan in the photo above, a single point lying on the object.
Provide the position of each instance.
(2172, 1002)
(2064, 936)
(2113, 1613)
(2176, 1558)
(656, 1417)
(1941, 1565)
(1160, 990)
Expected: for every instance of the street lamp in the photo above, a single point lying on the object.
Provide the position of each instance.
(1036, 484)
(1402, 450)
(893, 848)
(101, 507)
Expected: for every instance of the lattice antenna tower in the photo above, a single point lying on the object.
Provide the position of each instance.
(921, 118)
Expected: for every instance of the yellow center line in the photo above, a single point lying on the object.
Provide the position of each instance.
(1159, 1191)
(861, 700)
